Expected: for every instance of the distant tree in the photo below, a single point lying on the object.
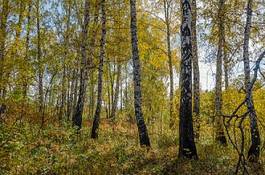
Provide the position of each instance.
(116, 93)
(167, 12)
(187, 148)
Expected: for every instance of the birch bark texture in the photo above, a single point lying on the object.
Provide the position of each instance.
(3, 35)
(116, 93)
(94, 132)
(196, 71)
(77, 117)
(254, 150)
(187, 148)
(219, 128)
(142, 129)
(40, 67)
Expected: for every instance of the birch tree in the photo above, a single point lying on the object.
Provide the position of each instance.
(196, 71)
(3, 34)
(187, 148)
(254, 150)
(77, 117)
(167, 7)
(220, 137)
(94, 132)
(40, 67)
(142, 129)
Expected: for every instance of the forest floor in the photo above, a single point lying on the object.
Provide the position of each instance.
(27, 149)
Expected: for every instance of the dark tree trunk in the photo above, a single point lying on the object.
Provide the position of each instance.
(187, 148)
(77, 117)
(196, 71)
(220, 136)
(254, 150)
(94, 132)
(142, 129)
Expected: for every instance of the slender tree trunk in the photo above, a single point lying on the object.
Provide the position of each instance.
(40, 69)
(20, 19)
(74, 91)
(26, 60)
(121, 91)
(126, 90)
(63, 93)
(226, 63)
(220, 136)
(94, 132)
(126, 87)
(68, 98)
(111, 87)
(92, 49)
(254, 150)
(142, 129)
(196, 71)
(66, 43)
(187, 148)
(116, 93)
(170, 65)
(92, 94)
(3, 33)
(77, 117)
(108, 109)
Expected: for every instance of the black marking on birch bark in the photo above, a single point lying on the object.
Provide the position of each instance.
(143, 134)
(254, 150)
(77, 117)
(94, 132)
(187, 148)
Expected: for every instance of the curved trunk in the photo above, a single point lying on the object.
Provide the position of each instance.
(254, 150)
